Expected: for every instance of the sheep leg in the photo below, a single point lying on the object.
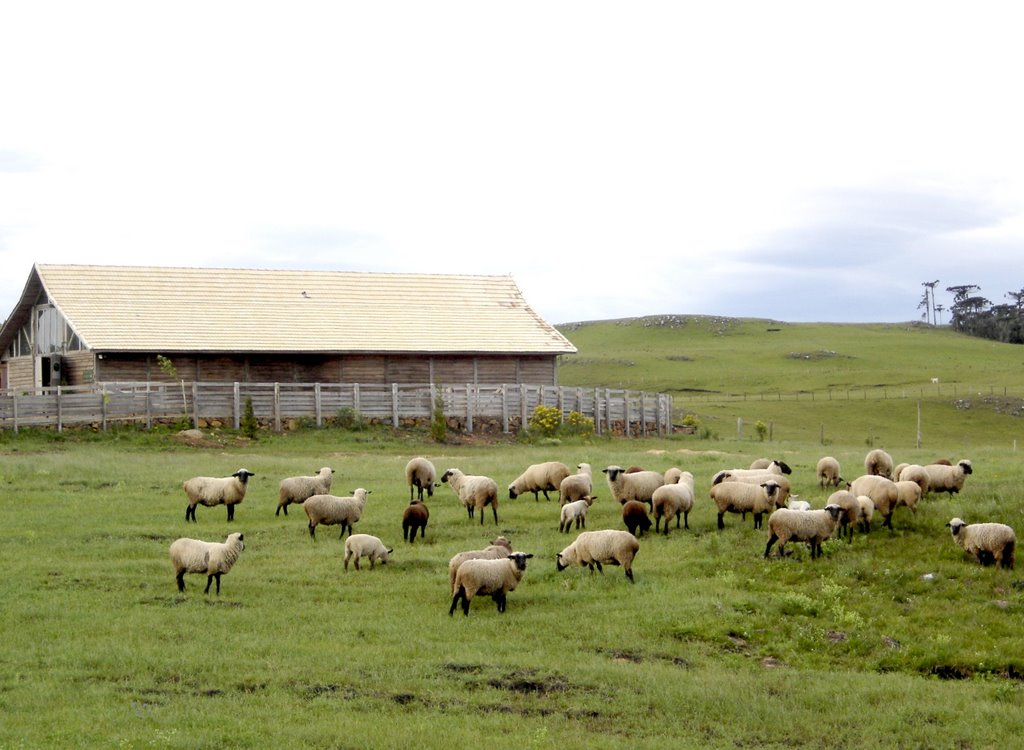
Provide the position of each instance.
(771, 541)
(312, 530)
(190, 513)
(181, 580)
(721, 523)
(629, 574)
(686, 520)
(599, 568)
(494, 508)
(209, 580)
(499, 599)
(231, 513)
(460, 594)
(757, 520)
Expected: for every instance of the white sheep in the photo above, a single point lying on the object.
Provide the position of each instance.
(490, 577)
(331, 510)
(850, 506)
(298, 489)
(421, 475)
(811, 526)
(671, 501)
(474, 492)
(795, 503)
(605, 547)
(212, 558)
(575, 512)
(908, 493)
(883, 493)
(755, 476)
(576, 486)
(867, 512)
(500, 547)
(948, 478)
(638, 485)
(987, 542)
(211, 491)
(913, 473)
(539, 478)
(878, 462)
(827, 472)
(365, 545)
(741, 497)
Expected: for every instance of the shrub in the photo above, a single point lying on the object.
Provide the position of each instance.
(762, 430)
(249, 424)
(350, 419)
(545, 421)
(578, 424)
(438, 424)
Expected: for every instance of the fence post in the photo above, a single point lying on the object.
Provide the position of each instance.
(469, 408)
(277, 407)
(236, 405)
(149, 407)
(103, 409)
(60, 416)
(504, 408)
(659, 427)
(597, 410)
(355, 399)
(561, 404)
(625, 410)
(318, 405)
(522, 406)
(14, 409)
(643, 413)
(195, 404)
(394, 405)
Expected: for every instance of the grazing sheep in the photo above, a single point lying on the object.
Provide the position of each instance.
(850, 506)
(576, 486)
(740, 497)
(297, 489)
(897, 470)
(474, 492)
(331, 510)
(670, 501)
(211, 491)
(867, 512)
(414, 519)
(988, 542)
(539, 478)
(883, 493)
(637, 485)
(879, 463)
(365, 545)
(606, 547)
(755, 477)
(575, 511)
(500, 547)
(812, 526)
(942, 478)
(913, 473)
(634, 515)
(493, 577)
(908, 493)
(212, 558)
(827, 472)
(773, 465)
(795, 503)
(421, 475)
(941, 462)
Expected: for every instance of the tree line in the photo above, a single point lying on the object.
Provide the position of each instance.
(975, 315)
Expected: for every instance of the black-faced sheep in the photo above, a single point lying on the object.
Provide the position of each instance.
(414, 518)
(605, 547)
(987, 542)
(212, 558)
(811, 526)
(851, 512)
(489, 577)
(298, 489)
(638, 485)
(500, 547)
(755, 477)
(211, 491)
(539, 478)
(740, 497)
(331, 510)
(878, 462)
(421, 475)
(883, 493)
(365, 545)
(771, 464)
(948, 479)
(475, 492)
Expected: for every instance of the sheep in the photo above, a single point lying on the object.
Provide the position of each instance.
(746, 476)
(365, 545)
(634, 515)
(867, 512)
(539, 478)
(414, 519)
(575, 511)
(637, 485)
(500, 547)
(331, 510)
(988, 542)
(950, 479)
(794, 503)
(774, 465)
(850, 506)
(897, 470)
(213, 558)
(605, 547)
(297, 489)
(211, 491)
(670, 501)
(473, 491)
(421, 475)
(813, 527)
(576, 486)
(878, 462)
(883, 493)
(493, 577)
(740, 497)
(827, 472)
(913, 473)
(908, 493)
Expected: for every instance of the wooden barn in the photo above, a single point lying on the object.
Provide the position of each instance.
(80, 324)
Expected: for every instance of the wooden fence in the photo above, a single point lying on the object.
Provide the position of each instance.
(469, 407)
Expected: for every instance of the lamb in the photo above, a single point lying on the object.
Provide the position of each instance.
(850, 506)
(500, 547)
(493, 577)
(365, 545)
(211, 491)
(908, 493)
(914, 473)
(794, 503)
(212, 558)
(827, 472)
(948, 479)
(421, 475)
(634, 515)
(576, 486)
(670, 501)
(883, 493)
(813, 527)
(878, 462)
(740, 497)
(637, 485)
(298, 489)
(988, 542)
(331, 510)
(575, 511)
(774, 465)
(605, 547)
(539, 478)
(414, 519)
(474, 492)
(867, 512)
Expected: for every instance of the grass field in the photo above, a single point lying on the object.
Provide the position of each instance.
(896, 640)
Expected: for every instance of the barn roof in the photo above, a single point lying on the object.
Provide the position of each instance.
(137, 308)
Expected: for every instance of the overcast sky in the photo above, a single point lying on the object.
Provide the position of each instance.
(801, 161)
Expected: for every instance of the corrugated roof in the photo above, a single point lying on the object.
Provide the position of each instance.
(135, 308)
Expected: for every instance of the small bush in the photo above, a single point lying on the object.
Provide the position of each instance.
(249, 424)
(761, 429)
(351, 420)
(545, 421)
(438, 424)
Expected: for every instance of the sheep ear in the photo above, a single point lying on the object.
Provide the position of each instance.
(390, 550)
(530, 555)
